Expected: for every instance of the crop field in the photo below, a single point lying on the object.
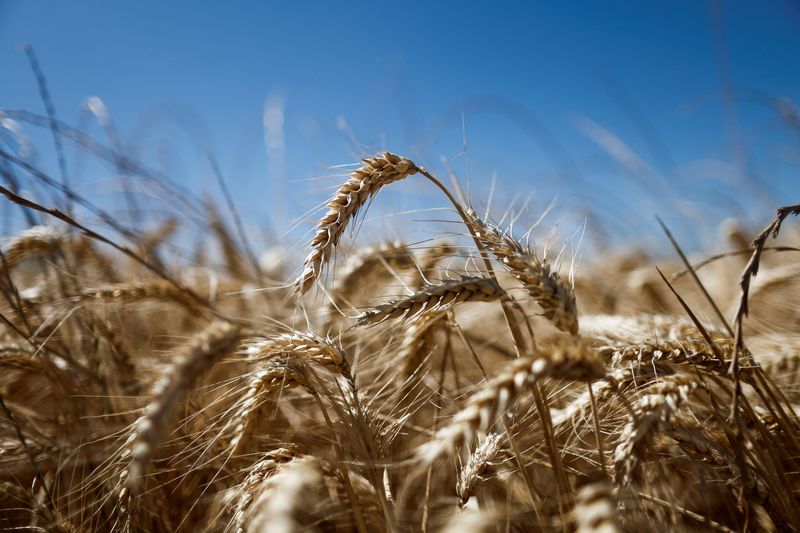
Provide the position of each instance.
(480, 380)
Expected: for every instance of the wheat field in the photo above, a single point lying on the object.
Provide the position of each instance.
(480, 381)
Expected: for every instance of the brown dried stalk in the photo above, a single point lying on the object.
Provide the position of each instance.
(375, 172)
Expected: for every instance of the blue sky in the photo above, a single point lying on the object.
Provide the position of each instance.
(617, 109)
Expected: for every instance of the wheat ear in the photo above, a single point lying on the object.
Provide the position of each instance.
(436, 298)
(595, 509)
(649, 411)
(136, 292)
(38, 240)
(556, 298)
(257, 474)
(375, 172)
(475, 467)
(577, 362)
(216, 341)
(283, 359)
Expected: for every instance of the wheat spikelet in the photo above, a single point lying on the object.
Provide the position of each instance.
(216, 341)
(307, 345)
(289, 500)
(689, 351)
(556, 298)
(435, 298)
(595, 509)
(283, 497)
(126, 372)
(649, 411)
(576, 362)
(282, 366)
(417, 341)
(364, 183)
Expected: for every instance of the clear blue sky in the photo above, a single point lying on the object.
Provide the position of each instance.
(618, 109)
